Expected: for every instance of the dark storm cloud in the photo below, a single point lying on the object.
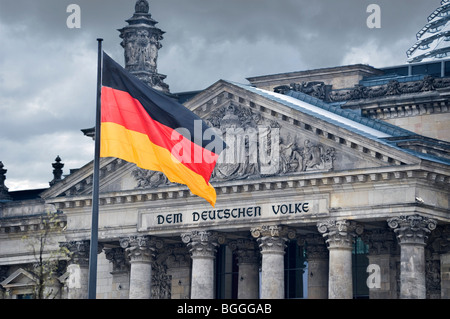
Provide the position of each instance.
(48, 71)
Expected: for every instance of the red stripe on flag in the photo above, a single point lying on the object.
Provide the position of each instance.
(121, 108)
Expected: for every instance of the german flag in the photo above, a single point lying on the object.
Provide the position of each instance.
(144, 126)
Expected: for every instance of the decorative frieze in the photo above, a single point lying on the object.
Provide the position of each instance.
(392, 88)
(315, 89)
(297, 182)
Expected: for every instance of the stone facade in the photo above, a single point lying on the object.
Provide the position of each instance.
(304, 172)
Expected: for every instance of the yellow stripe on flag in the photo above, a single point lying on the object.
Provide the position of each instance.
(117, 141)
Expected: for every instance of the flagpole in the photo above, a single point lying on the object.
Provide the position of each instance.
(92, 283)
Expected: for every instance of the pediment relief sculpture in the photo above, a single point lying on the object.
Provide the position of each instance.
(257, 147)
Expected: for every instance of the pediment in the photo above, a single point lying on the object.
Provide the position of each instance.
(259, 127)
(20, 278)
(323, 143)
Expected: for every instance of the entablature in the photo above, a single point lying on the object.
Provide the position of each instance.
(301, 184)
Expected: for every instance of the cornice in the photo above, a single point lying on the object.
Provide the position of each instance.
(307, 183)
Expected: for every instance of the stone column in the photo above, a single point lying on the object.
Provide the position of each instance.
(445, 276)
(78, 268)
(339, 235)
(179, 270)
(247, 254)
(272, 243)
(381, 276)
(202, 246)
(444, 257)
(120, 274)
(317, 254)
(412, 232)
(141, 252)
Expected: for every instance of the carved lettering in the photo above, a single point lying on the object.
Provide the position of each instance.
(170, 219)
(284, 209)
(260, 212)
(241, 212)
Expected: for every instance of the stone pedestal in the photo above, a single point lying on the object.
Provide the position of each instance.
(141, 252)
(78, 269)
(272, 243)
(202, 246)
(412, 232)
(339, 236)
(317, 254)
(247, 254)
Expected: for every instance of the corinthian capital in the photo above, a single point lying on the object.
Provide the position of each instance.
(78, 251)
(339, 233)
(202, 243)
(117, 257)
(272, 231)
(140, 248)
(413, 229)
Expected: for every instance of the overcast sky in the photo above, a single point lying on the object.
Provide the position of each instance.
(48, 71)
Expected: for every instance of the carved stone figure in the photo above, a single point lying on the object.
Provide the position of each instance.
(257, 147)
(239, 128)
(149, 179)
(316, 89)
(392, 88)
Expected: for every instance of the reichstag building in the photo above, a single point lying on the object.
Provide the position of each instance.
(335, 185)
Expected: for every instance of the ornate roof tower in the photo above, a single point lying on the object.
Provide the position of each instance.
(433, 40)
(141, 41)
